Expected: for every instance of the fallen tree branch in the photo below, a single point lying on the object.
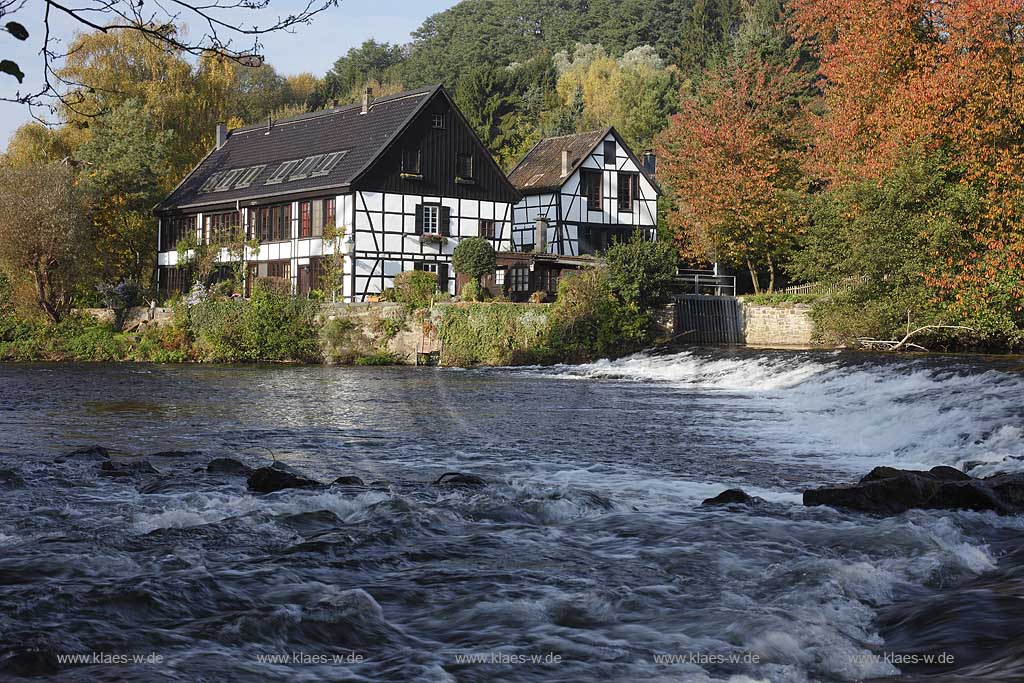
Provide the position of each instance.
(896, 345)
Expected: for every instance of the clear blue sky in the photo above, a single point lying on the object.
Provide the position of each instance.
(311, 48)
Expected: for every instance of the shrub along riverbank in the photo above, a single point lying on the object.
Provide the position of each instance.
(604, 311)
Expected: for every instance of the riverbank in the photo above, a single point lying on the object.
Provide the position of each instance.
(282, 329)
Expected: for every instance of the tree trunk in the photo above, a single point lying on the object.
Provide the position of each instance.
(771, 275)
(41, 281)
(753, 277)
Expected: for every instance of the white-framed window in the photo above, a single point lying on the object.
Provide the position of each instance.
(499, 277)
(428, 267)
(431, 219)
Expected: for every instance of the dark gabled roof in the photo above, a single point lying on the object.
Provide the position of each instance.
(362, 138)
(541, 169)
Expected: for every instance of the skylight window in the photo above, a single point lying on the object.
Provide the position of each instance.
(282, 172)
(210, 182)
(327, 163)
(248, 176)
(227, 180)
(297, 169)
(304, 168)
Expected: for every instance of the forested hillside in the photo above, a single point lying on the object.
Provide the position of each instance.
(873, 147)
(525, 69)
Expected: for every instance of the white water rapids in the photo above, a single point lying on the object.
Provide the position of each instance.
(588, 542)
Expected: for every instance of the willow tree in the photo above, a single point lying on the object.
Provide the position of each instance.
(46, 234)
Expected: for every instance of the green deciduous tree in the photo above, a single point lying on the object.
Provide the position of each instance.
(46, 234)
(475, 257)
(124, 165)
(640, 271)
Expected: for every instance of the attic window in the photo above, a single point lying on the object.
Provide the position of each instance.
(411, 163)
(282, 172)
(609, 153)
(437, 120)
(248, 176)
(210, 182)
(227, 180)
(305, 167)
(534, 180)
(327, 163)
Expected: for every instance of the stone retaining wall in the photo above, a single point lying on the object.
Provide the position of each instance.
(778, 325)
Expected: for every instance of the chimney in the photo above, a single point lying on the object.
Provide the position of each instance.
(650, 162)
(222, 134)
(541, 241)
(565, 162)
(367, 98)
(270, 124)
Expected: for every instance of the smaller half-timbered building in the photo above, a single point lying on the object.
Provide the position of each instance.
(581, 193)
(404, 176)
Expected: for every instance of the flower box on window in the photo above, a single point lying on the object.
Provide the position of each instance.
(433, 238)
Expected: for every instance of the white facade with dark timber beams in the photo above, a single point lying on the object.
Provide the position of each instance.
(405, 176)
(581, 193)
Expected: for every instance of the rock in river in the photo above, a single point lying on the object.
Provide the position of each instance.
(87, 453)
(731, 496)
(460, 479)
(891, 491)
(270, 479)
(348, 480)
(227, 466)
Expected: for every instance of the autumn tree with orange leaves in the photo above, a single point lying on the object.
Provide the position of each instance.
(731, 158)
(945, 77)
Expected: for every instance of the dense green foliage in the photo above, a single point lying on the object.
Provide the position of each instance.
(588, 321)
(641, 271)
(876, 241)
(47, 237)
(268, 327)
(475, 257)
(415, 288)
(492, 334)
(77, 338)
(778, 298)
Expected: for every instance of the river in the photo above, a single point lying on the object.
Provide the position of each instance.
(587, 557)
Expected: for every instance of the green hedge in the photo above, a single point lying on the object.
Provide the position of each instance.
(492, 334)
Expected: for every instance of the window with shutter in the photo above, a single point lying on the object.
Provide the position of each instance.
(609, 153)
(446, 220)
(430, 219)
(442, 277)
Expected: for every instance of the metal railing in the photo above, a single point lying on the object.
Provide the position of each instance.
(704, 282)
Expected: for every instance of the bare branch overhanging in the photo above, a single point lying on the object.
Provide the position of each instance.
(158, 21)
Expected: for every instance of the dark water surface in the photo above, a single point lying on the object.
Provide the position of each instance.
(586, 558)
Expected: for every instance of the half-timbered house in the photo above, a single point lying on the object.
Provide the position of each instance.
(581, 193)
(404, 176)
